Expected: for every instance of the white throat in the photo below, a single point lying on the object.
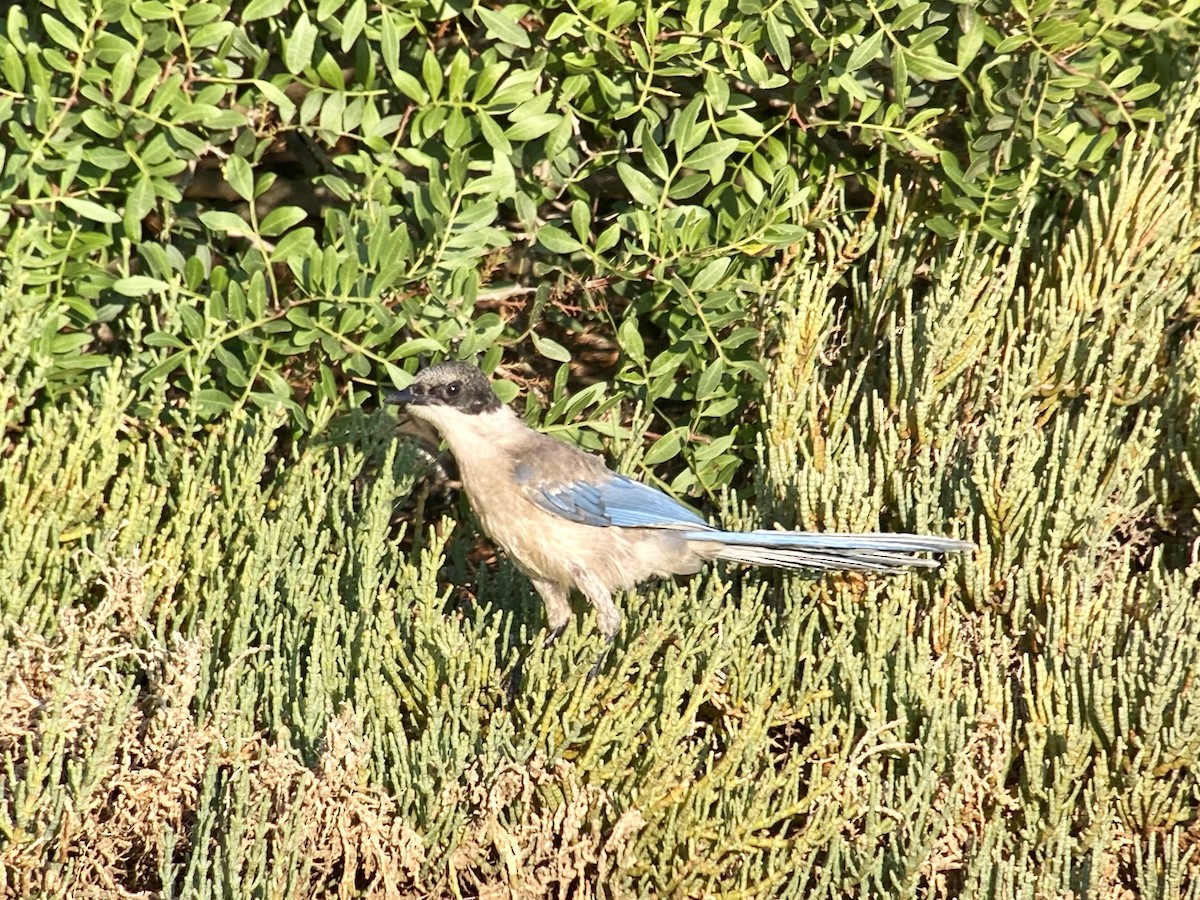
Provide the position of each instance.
(472, 437)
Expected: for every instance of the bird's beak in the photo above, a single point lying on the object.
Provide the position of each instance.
(401, 397)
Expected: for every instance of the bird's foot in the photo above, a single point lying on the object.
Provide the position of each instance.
(512, 684)
(595, 669)
(555, 633)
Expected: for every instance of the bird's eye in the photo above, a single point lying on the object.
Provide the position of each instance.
(453, 389)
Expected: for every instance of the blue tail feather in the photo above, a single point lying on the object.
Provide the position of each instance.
(822, 550)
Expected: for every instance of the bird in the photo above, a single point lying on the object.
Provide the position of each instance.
(570, 523)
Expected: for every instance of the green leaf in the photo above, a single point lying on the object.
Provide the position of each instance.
(563, 24)
(631, 341)
(326, 9)
(12, 69)
(556, 240)
(280, 219)
(550, 349)
(263, 9)
(1140, 21)
(710, 275)
(331, 112)
(108, 158)
(716, 89)
(710, 154)
(211, 401)
(1011, 43)
(927, 38)
(89, 209)
(684, 133)
(417, 347)
(504, 27)
(240, 177)
(908, 17)
(640, 187)
(409, 86)
(780, 41)
(1140, 92)
(431, 72)
(138, 203)
(930, 67)
(60, 33)
(163, 339)
(219, 220)
(389, 42)
(666, 447)
(194, 325)
(532, 127)
(710, 380)
(70, 342)
(756, 69)
(865, 52)
(656, 160)
(73, 12)
(970, 44)
(608, 238)
(163, 367)
(352, 24)
(296, 243)
(299, 45)
(139, 286)
(581, 219)
(1124, 77)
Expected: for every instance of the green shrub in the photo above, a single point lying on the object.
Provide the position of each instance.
(921, 266)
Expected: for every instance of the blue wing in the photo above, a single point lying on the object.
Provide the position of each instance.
(610, 500)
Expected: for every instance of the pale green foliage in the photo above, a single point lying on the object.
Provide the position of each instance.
(1037, 416)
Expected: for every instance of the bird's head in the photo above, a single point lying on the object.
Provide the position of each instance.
(447, 390)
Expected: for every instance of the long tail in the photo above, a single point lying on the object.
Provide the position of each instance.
(819, 550)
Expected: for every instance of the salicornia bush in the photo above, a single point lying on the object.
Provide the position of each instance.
(281, 205)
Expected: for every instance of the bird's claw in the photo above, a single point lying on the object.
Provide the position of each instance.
(555, 633)
(595, 669)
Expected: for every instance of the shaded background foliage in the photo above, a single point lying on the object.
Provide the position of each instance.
(919, 265)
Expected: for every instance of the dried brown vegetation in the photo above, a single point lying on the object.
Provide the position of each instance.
(102, 692)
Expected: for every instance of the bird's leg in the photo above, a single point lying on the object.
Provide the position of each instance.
(607, 614)
(558, 608)
(608, 617)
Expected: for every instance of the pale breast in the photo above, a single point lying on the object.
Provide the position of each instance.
(537, 543)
